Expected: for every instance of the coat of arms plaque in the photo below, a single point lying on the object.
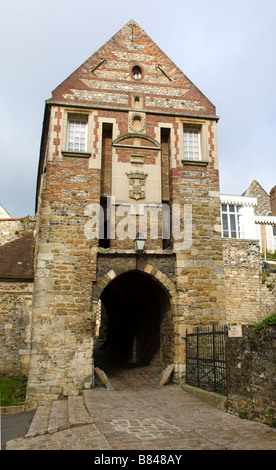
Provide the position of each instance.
(137, 184)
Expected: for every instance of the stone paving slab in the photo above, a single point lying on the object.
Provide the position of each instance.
(139, 415)
(78, 438)
(77, 412)
(58, 418)
(165, 418)
(40, 421)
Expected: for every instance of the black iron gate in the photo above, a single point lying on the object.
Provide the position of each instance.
(205, 358)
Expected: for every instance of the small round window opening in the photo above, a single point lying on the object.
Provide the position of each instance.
(137, 72)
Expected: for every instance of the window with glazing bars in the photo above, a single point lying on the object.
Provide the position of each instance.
(77, 135)
(274, 238)
(191, 144)
(231, 221)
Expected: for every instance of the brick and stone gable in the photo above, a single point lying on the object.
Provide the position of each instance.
(263, 204)
(106, 78)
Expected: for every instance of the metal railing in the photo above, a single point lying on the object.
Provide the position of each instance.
(205, 358)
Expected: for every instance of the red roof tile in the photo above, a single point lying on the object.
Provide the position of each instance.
(17, 258)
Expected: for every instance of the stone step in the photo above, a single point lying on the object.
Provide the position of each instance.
(59, 415)
(58, 418)
(40, 421)
(77, 411)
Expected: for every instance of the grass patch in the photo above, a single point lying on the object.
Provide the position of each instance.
(13, 391)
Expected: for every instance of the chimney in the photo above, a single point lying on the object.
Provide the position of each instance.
(273, 201)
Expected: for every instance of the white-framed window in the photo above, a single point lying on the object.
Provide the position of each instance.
(192, 144)
(231, 221)
(77, 135)
(271, 238)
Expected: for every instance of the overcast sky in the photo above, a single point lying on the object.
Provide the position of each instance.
(226, 48)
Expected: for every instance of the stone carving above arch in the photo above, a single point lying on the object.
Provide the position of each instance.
(137, 122)
(127, 140)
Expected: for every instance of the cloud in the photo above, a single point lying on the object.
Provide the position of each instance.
(225, 48)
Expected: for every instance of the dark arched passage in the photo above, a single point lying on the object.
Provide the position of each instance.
(136, 320)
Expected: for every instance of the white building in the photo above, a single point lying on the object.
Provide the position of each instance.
(238, 220)
(3, 213)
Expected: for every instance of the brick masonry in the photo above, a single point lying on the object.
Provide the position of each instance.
(132, 126)
(273, 200)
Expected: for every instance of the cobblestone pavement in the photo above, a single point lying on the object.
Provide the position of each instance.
(139, 415)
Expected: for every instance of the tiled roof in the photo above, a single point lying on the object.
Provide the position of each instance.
(9, 218)
(17, 258)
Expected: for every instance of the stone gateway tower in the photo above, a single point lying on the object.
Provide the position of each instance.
(128, 150)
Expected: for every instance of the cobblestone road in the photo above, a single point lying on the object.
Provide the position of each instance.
(140, 416)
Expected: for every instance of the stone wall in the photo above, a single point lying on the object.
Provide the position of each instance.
(273, 200)
(251, 371)
(268, 293)
(120, 262)
(66, 255)
(12, 229)
(247, 299)
(16, 289)
(65, 267)
(15, 320)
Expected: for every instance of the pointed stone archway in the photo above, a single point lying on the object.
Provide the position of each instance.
(135, 319)
(149, 269)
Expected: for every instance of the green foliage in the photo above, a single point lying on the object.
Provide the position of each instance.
(13, 391)
(269, 255)
(273, 421)
(243, 415)
(268, 321)
(265, 275)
